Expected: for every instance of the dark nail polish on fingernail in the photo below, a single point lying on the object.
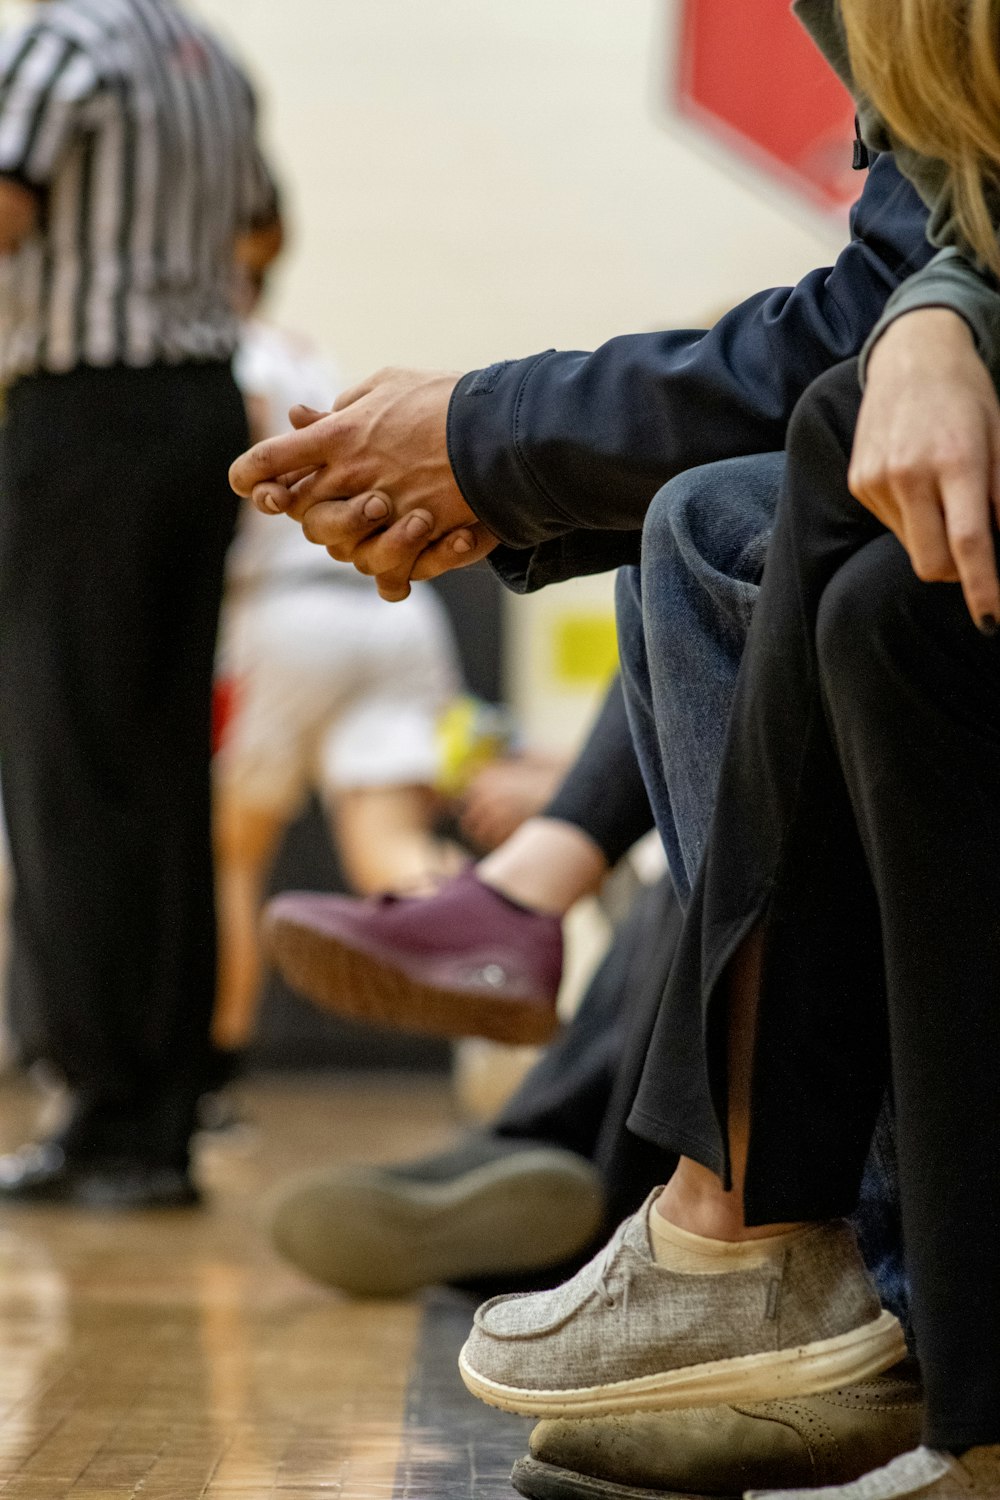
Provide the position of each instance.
(988, 624)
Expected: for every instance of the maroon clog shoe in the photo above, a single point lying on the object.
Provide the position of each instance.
(465, 961)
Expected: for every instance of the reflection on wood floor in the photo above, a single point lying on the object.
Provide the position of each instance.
(172, 1356)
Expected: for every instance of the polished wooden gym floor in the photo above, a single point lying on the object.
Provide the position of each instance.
(171, 1356)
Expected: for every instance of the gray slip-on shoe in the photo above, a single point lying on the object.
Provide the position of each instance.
(721, 1450)
(626, 1334)
(923, 1473)
(491, 1207)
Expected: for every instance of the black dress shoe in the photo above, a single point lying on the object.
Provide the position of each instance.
(46, 1173)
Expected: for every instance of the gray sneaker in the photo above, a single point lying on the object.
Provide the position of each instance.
(492, 1207)
(924, 1473)
(720, 1450)
(625, 1334)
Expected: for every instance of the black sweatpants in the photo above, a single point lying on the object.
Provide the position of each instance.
(115, 516)
(859, 817)
(603, 792)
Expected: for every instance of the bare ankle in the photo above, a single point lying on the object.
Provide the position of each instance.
(545, 866)
(694, 1200)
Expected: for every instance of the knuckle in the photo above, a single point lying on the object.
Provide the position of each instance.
(902, 473)
(348, 478)
(967, 544)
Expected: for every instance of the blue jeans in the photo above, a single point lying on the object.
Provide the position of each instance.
(683, 619)
(682, 626)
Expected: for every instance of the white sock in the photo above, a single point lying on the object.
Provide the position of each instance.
(696, 1255)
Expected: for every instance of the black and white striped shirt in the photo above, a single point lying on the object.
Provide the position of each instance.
(138, 132)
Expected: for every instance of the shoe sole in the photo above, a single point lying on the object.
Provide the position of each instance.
(803, 1371)
(536, 1480)
(353, 982)
(523, 1213)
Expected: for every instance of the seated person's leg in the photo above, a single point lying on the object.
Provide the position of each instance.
(483, 954)
(599, 811)
(515, 1204)
(386, 837)
(834, 868)
(375, 756)
(682, 629)
(537, 1199)
(682, 626)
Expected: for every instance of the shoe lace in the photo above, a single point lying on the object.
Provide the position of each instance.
(604, 1269)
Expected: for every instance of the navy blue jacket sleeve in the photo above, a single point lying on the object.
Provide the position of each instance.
(560, 454)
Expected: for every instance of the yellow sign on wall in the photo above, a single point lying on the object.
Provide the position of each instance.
(585, 648)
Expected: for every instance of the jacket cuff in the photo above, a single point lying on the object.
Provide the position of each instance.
(575, 555)
(486, 460)
(950, 281)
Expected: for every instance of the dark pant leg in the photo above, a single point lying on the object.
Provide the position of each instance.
(114, 517)
(579, 1093)
(603, 792)
(868, 852)
(913, 698)
(783, 843)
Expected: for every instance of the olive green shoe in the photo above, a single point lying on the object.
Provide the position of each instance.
(720, 1451)
(491, 1208)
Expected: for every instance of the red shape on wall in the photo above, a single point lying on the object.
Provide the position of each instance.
(751, 77)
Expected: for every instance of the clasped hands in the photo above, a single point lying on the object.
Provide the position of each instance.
(371, 482)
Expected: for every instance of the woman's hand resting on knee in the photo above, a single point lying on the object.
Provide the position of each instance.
(926, 457)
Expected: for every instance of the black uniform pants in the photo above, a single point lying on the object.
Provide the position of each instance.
(115, 516)
(859, 817)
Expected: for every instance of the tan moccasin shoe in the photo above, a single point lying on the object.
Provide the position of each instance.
(721, 1450)
(626, 1334)
(923, 1474)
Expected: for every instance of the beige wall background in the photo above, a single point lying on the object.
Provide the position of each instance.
(475, 179)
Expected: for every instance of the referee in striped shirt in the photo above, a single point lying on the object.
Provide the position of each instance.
(128, 171)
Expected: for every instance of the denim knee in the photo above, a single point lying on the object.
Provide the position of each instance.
(711, 521)
(706, 536)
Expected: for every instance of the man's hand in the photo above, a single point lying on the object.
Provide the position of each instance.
(926, 456)
(371, 480)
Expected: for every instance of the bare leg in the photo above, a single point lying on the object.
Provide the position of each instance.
(245, 841)
(694, 1198)
(547, 865)
(386, 839)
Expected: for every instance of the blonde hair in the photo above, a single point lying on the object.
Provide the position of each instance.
(932, 70)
